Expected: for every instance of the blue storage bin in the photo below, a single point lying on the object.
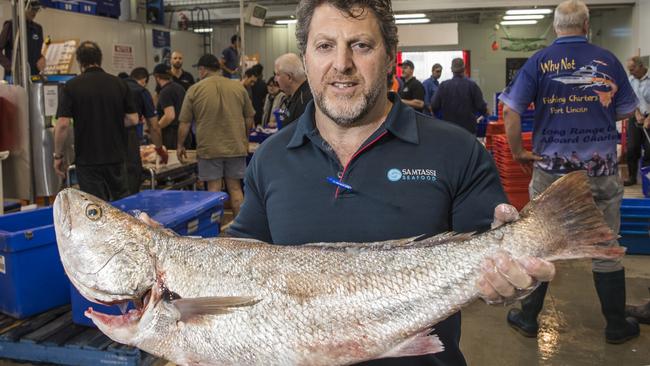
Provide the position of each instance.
(88, 7)
(32, 279)
(69, 5)
(635, 208)
(635, 244)
(188, 213)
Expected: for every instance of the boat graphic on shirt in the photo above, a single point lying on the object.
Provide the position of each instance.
(588, 77)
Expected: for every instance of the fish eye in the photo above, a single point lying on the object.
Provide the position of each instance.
(93, 212)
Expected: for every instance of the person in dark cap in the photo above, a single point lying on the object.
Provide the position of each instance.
(223, 113)
(412, 93)
(170, 100)
(459, 99)
(34, 40)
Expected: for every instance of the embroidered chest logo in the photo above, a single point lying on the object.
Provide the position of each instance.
(412, 175)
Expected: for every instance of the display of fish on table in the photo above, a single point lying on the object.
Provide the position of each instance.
(228, 301)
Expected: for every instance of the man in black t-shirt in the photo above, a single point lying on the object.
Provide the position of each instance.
(101, 106)
(412, 93)
(182, 77)
(170, 100)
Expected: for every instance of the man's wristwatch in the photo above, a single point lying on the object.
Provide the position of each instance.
(57, 156)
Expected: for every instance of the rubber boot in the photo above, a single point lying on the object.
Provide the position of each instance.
(611, 291)
(524, 320)
(640, 312)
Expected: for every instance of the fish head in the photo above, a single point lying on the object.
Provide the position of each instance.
(105, 252)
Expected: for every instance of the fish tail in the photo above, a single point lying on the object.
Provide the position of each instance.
(574, 222)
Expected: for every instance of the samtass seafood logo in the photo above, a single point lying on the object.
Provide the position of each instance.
(421, 175)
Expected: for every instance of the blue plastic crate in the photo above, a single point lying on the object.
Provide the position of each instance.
(635, 242)
(32, 279)
(68, 5)
(88, 7)
(635, 208)
(188, 213)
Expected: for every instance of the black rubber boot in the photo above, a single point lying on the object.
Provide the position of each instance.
(524, 320)
(640, 312)
(611, 291)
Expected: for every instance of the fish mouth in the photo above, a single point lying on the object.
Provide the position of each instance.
(128, 317)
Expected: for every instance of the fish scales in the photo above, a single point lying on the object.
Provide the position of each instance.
(228, 301)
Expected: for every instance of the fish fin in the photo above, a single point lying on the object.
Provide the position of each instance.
(190, 307)
(422, 343)
(568, 206)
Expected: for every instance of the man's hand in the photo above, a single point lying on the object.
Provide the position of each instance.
(505, 278)
(162, 153)
(181, 154)
(60, 168)
(646, 122)
(144, 217)
(526, 159)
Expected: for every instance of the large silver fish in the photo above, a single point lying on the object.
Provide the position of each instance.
(226, 301)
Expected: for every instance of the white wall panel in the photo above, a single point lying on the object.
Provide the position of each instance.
(428, 34)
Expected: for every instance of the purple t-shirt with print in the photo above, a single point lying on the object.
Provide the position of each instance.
(578, 90)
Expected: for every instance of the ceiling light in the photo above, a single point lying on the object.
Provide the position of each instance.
(528, 11)
(518, 22)
(412, 21)
(409, 16)
(522, 17)
(203, 30)
(286, 21)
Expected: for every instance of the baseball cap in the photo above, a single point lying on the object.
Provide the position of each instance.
(162, 69)
(208, 60)
(457, 65)
(407, 63)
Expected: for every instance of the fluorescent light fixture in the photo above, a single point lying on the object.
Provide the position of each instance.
(203, 30)
(286, 21)
(528, 11)
(412, 21)
(518, 22)
(522, 17)
(409, 16)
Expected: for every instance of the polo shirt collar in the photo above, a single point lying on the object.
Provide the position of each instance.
(571, 39)
(93, 69)
(400, 122)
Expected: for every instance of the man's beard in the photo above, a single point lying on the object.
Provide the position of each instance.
(177, 65)
(348, 113)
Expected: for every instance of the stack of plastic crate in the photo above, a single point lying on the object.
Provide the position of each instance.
(635, 225)
(513, 178)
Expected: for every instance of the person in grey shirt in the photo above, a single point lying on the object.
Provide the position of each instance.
(636, 138)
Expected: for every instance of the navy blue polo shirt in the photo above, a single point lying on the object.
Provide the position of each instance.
(414, 175)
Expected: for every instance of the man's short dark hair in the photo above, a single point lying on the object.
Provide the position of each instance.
(250, 72)
(88, 53)
(123, 75)
(381, 8)
(258, 69)
(234, 39)
(140, 73)
(436, 66)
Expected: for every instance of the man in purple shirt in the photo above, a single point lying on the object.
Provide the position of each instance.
(579, 90)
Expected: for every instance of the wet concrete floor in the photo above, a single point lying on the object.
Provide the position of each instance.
(571, 325)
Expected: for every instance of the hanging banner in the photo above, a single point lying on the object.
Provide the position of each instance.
(163, 47)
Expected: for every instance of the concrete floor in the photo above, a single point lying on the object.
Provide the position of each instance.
(571, 325)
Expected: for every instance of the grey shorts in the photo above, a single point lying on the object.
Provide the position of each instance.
(215, 169)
